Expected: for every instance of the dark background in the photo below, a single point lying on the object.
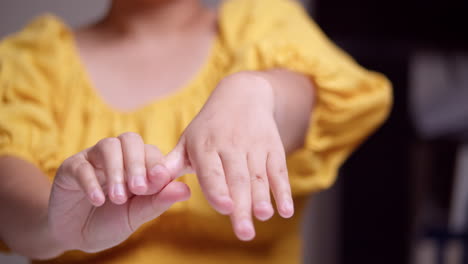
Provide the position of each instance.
(378, 186)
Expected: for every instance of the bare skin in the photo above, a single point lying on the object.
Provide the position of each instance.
(121, 183)
(152, 48)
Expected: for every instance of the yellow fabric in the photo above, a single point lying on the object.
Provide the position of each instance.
(50, 111)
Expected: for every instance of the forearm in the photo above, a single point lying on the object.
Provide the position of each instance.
(24, 196)
(293, 104)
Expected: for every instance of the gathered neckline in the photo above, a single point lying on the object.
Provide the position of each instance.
(173, 98)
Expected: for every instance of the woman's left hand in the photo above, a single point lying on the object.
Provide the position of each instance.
(234, 147)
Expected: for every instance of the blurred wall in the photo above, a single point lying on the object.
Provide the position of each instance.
(15, 13)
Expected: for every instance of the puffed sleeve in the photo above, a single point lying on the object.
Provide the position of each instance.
(29, 86)
(351, 102)
(33, 66)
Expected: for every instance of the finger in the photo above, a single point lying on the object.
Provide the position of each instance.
(279, 182)
(133, 151)
(261, 202)
(210, 173)
(238, 179)
(86, 178)
(147, 207)
(177, 161)
(107, 155)
(158, 174)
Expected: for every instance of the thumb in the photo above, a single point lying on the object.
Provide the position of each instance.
(144, 208)
(177, 161)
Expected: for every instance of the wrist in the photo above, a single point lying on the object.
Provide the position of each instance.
(33, 240)
(250, 88)
(50, 246)
(57, 247)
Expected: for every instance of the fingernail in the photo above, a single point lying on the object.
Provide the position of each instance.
(139, 181)
(119, 190)
(263, 210)
(288, 208)
(264, 206)
(158, 169)
(246, 230)
(96, 196)
(225, 204)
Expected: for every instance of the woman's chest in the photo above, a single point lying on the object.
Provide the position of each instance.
(130, 76)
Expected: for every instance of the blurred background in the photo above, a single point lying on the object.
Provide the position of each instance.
(403, 195)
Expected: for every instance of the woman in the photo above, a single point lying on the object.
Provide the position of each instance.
(86, 116)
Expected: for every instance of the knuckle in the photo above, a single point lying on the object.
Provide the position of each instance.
(277, 166)
(67, 164)
(152, 154)
(136, 169)
(242, 213)
(71, 164)
(240, 179)
(234, 140)
(108, 142)
(75, 168)
(214, 197)
(153, 148)
(258, 144)
(130, 136)
(81, 168)
(259, 178)
(209, 143)
(282, 170)
(115, 175)
(215, 172)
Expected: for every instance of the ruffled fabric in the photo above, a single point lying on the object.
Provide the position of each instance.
(28, 105)
(351, 102)
(49, 110)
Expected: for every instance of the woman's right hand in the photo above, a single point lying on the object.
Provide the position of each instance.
(101, 195)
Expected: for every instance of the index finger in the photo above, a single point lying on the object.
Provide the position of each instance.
(158, 175)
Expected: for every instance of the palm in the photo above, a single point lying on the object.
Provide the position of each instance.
(85, 226)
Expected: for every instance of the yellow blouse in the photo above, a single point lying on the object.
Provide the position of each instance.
(49, 111)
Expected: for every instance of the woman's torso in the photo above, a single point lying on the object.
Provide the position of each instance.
(191, 231)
